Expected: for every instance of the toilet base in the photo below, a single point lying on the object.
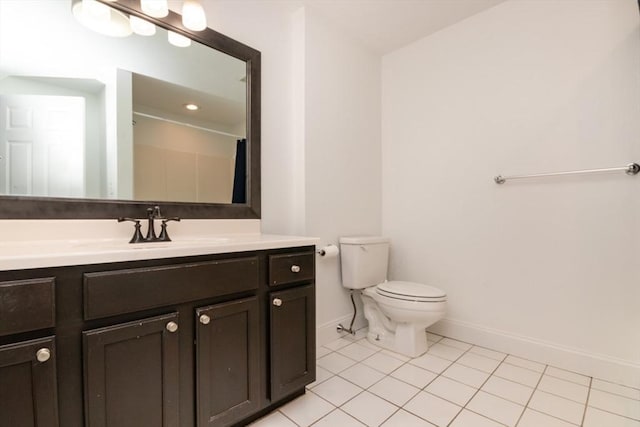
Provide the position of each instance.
(400, 327)
(409, 340)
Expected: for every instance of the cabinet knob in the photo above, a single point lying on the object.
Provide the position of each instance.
(172, 326)
(277, 302)
(295, 268)
(43, 355)
(204, 319)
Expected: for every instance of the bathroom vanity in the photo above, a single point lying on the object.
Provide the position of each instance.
(212, 339)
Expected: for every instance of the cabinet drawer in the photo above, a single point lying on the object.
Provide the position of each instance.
(27, 305)
(291, 268)
(126, 291)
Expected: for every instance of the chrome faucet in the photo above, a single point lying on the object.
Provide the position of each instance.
(152, 214)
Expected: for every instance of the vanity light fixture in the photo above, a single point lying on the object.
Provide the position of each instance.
(101, 18)
(155, 8)
(191, 107)
(142, 27)
(178, 39)
(193, 16)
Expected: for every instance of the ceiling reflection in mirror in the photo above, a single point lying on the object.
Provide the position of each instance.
(86, 115)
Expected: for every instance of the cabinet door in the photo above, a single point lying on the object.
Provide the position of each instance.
(131, 373)
(28, 395)
(292, 339)
(228, 362)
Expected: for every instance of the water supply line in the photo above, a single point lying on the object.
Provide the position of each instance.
(350, 330)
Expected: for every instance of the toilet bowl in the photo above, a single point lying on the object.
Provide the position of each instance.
(398, 322)
(398, 312)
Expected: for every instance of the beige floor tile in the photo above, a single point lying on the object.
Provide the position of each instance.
(395, 391)
(432, 408)
(557, 406)
(496, 408)
(369, 409)
(451, 390)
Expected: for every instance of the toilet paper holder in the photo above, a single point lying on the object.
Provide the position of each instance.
(328, 251)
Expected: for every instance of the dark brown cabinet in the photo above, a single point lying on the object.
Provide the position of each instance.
(227, 362)
(28, 396)
(292, 340)
(199, 341)
(131, 373)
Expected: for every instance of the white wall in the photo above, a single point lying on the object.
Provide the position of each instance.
(547, 268)
(321, 162)
(268, 27)
(342, 154)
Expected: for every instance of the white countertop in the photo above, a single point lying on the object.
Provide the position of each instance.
(89, 243)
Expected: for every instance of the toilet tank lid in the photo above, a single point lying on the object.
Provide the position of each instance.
(363, 240)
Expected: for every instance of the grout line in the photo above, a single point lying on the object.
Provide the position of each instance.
(571, 381)
(392, 414)
(611, 393)
(285, 415)
(618, 384)
(531, 397)
(636, 420)
(477, 389)
(551, 416)
(523, 367)
(566, 398)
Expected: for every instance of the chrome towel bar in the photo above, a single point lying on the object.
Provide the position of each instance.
(630, 169)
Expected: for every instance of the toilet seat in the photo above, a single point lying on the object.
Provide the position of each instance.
(410, 291)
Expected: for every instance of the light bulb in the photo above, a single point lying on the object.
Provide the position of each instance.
(101, 18)
(178, 39)
(155, 8)
(193, 16)
(142, 27)
(94, 10)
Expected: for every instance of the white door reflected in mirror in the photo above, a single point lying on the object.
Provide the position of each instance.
(42, 141)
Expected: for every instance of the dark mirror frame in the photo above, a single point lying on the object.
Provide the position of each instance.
(18, 207)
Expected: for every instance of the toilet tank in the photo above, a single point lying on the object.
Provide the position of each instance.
(364, 261)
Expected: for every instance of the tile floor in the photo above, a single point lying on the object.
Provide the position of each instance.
(454, 384)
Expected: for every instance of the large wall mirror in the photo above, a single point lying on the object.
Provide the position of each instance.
(100, 122)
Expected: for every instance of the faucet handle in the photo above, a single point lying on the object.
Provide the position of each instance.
(164, 236)
(137, 234)
(154, 212)
(173, 218)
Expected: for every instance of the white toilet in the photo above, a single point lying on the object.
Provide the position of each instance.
(398, 312)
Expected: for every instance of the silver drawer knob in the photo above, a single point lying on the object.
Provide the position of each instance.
(277, 302)
(204, 319)
(43, 355)
(172, 326)
(295, 269)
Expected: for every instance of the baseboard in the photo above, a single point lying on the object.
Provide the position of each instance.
(327, 332)
(594, 365)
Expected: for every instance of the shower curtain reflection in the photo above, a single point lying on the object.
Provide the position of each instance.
(239, 177)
